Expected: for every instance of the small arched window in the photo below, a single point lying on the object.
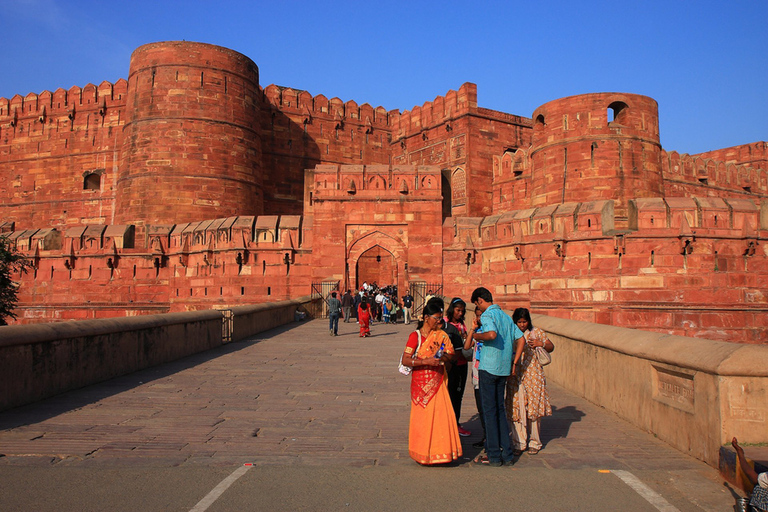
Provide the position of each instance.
(540, 120)
(92, 181)
(617, 112)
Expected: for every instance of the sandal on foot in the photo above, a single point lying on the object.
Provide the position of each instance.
(517, 452)
(533, 451)
(481, 459)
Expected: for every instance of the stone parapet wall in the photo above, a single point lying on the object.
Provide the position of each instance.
(101, 271)
(694, 394)
(693, 267)
(39, 361)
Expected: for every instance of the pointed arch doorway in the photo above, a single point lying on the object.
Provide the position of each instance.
(376, 265)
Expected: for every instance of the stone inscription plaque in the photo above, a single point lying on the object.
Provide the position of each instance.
(673, 388)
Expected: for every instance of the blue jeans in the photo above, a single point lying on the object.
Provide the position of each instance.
(497, 443)
(334, 322)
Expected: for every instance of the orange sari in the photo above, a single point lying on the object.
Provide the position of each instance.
(433, 435)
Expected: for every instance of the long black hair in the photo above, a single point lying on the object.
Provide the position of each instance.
(433, 305)
(522, 313)
(456, 301)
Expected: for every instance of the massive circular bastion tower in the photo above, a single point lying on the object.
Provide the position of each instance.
(191, 148)
(594, 147)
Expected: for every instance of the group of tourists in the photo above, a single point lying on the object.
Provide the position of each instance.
(507, 376)
(366, 306)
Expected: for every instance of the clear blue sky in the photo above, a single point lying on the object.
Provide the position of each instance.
(705, 62)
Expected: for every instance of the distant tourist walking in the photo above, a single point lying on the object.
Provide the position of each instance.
(364, 319)
(502, 348)
(407, 305)
(386, 306)
(334, 312)
(527, 399)
(433, 437)
(346, 305)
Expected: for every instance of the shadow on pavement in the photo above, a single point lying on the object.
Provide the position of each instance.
(558, 425)
(77, 398)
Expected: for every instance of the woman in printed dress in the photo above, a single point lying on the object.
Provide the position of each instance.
(433, 436)
(527, 400)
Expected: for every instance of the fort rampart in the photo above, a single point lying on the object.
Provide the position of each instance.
(39, 361)
(189, 186)
(693, 394)
(693, 267)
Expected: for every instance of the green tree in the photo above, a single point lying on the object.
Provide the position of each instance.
(10, 262)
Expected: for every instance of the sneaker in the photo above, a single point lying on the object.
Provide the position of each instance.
(464, 432)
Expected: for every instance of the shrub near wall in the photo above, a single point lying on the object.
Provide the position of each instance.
(693, 393)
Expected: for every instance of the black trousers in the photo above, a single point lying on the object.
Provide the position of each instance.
(457, 379)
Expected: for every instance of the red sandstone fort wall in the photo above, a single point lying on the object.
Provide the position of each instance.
(577, 212)
(751, 155)
(596, 146)
(50, 144)
(300, 131)
(192, 148)
(93, 272)
(453, 133)
(695, 267)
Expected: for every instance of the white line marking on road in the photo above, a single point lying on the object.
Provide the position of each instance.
(643, 490)
(217, 491)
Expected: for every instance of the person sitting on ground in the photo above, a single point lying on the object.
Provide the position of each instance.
(759, 499)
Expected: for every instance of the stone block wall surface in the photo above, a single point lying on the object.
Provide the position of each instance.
(190, 186)
(42, 360)
(693, 394)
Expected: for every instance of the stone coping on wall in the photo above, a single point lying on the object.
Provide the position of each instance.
(11, 335)
(709, 356)
(38, 333)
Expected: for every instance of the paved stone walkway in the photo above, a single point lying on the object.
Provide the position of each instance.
(295, 396)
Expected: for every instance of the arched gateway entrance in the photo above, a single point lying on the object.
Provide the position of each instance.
(377, 256)
(376, 265)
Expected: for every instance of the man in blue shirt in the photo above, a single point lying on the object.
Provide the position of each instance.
(503, 345)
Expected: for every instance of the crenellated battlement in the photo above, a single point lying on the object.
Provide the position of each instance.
(232, 233)
(301, 103)
(754, 154)
(700, 173)
(442, 109)
(674, 218)
(353, 182)
(64, 102)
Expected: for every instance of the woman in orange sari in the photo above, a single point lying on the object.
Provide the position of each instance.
(433, 435)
